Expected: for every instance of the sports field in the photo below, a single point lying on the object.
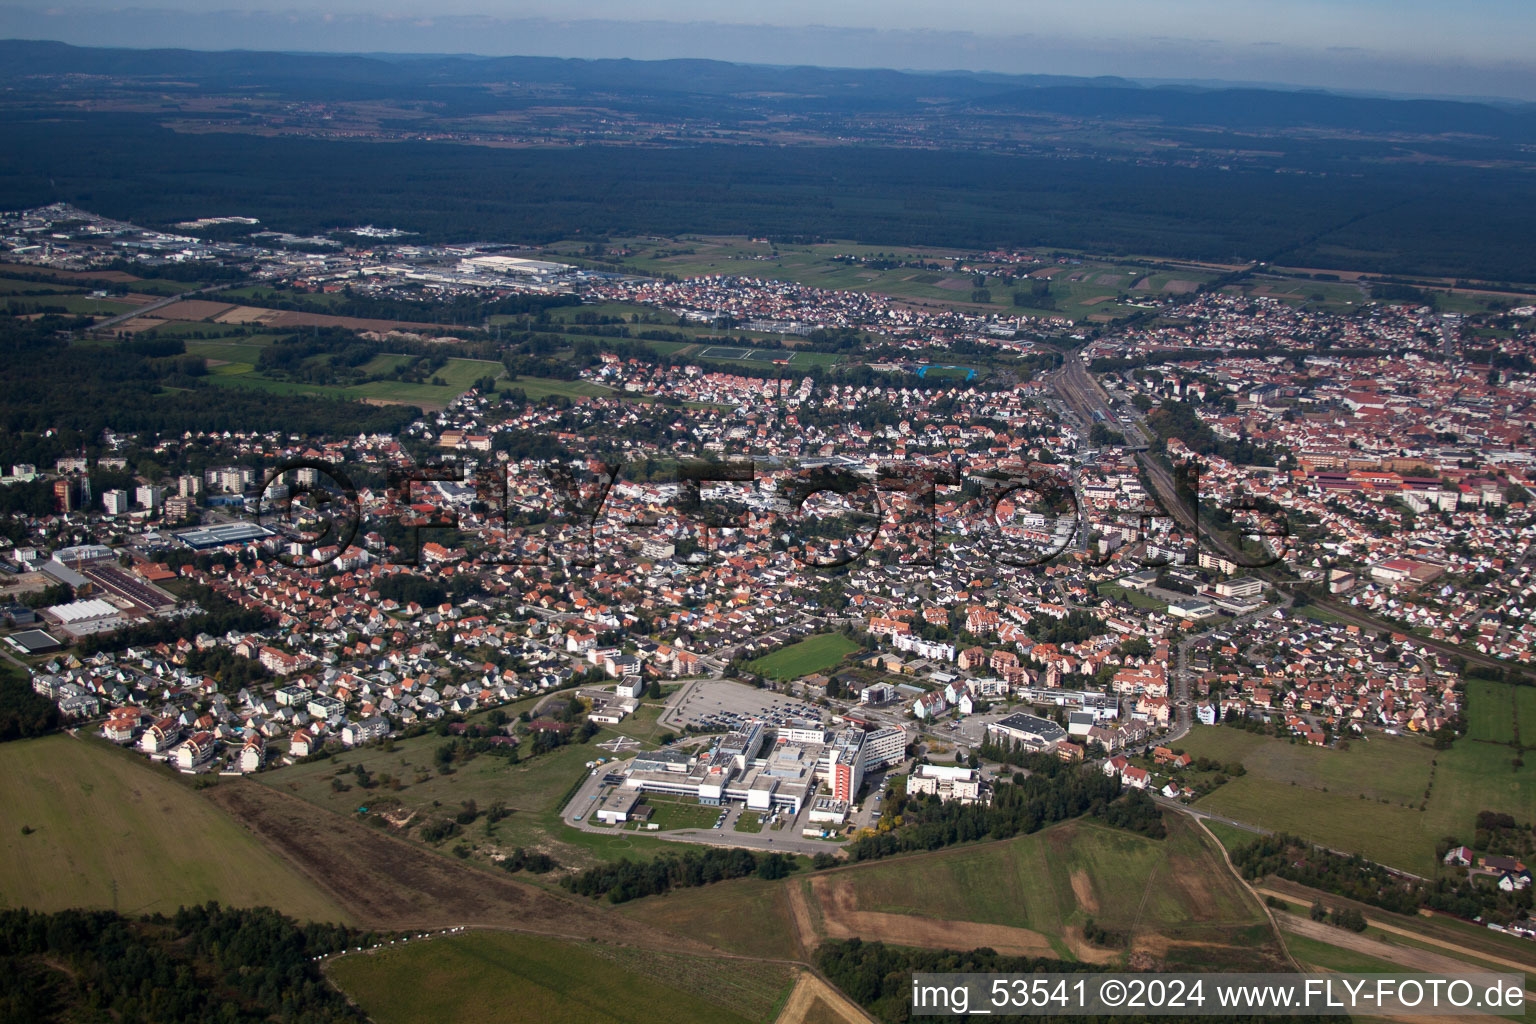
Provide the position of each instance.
(488, 977)
(109, 830)
(765, 355)
(813, 654)
(1370, 799)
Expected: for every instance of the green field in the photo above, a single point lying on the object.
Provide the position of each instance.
(1135, 598)
(458, 376)
(110, 830)
(1366, 799)
(813, 654)
(680, 812)
(542, 387)
(1335, 958)
(70, 303)
(747, 916)
(506, 978)
(1177, 889)
(1491, 711)
(765, 356)
(234, 350)
(13, 286)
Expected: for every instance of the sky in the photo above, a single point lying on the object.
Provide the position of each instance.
(1418, 47)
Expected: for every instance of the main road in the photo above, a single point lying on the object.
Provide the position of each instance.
(169, 300)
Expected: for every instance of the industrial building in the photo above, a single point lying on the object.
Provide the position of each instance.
(1037, 733)
(201, 538)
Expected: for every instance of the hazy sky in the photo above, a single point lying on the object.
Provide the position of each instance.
(1475, 47)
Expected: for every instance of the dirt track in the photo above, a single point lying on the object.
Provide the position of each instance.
(1410, 957)
(1387, 926)
(844, 920)
(388, 884)
(811, 992)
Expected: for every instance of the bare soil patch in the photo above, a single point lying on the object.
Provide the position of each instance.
(813, 1001)
(845, 921)
(386, 883)
(246, 315)
(192, 309)
(1082, 888)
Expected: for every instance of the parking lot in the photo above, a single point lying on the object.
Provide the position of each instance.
(722, 704)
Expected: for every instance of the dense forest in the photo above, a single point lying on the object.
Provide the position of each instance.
(52, 384)
(202, 964)
(23, 711)
(1460, 221)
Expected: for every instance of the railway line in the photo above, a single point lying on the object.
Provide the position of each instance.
(1084, 396)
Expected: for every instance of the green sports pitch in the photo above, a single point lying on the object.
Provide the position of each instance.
(733, 353)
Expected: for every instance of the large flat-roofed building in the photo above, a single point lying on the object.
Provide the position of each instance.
(947, 783)
(744, 768)
(1247, 586)
(884, 748)
(1037, 733)
(511, 265)
(201, 538)
(33, 641)
(1191, 608)
(83, 618)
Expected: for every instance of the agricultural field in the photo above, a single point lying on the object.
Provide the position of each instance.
(1491, 711)
(813, 654)
(69, 303)
(109, 830)
(239, 370)
(745, 916)
(15, 286)
(485, 976)
(1371, 798)
(1173, 899)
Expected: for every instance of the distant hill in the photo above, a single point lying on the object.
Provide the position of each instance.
(465, 82)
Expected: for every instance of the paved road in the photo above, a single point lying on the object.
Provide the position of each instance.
(162, 303)
(1183, 702)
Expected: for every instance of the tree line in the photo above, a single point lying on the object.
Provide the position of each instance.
(630, 880)
(202, 964)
